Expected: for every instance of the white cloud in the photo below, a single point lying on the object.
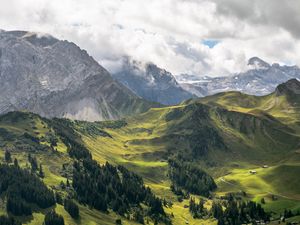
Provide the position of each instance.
(167, 32)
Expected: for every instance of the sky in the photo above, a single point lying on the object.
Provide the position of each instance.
(199, 37)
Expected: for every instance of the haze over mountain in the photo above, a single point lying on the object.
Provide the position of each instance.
(56, 78)
(149, 81)
(260, 79)
(165, 112)
(213, 142)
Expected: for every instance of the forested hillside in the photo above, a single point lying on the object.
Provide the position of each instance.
(203, 161)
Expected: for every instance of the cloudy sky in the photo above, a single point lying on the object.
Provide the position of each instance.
(202, 37)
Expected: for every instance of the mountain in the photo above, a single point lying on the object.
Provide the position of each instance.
(151, 82)
(289, 88)
(260, 79)
(203, 147)
(56, 78)
(258, 64)
(282, 104)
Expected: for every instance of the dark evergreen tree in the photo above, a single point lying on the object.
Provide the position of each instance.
(238, 212)
(4, 220)
(72, 208)
(189, 176)
(288, 213)
(52, 218)
(118, 222)
(7, 156)
(62, 185)
(58, 198)
(21, 188)
(33, 162)
(138, 216)
(16, 163)
(217, 210)
(17, 206)
(68, 183)
(41, 172)
(197, 209)
(107, 186)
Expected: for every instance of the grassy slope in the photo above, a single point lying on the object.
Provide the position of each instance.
(278, 106)
(52, 164)
(252, 138)
(281, 178)
(141, 146)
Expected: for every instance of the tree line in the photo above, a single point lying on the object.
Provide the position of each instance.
(5, 220)
(190, 177)
(106, 186)
(22, 189)
(235, 212)
(114, 187)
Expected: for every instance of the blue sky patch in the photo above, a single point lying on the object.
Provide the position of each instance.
(210, 43)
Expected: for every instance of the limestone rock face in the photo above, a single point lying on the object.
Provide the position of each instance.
(149, 81)
(55, 78)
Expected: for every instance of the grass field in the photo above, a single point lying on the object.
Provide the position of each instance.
(143, 144)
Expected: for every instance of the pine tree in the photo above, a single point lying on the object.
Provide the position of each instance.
(52, 218)
(217, 210)
(4, 220)
(7, 156)
(17, 206)
(71, 207)
(41, 172)
(33, 162)
(20, 187)
(58, 198)
(16, 163)
(118, 222)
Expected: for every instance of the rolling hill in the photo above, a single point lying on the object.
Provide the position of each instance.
(224, 136)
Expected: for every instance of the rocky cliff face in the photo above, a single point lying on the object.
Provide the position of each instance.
(56, 78)
(151, 82)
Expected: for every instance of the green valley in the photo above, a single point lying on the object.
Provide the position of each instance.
(235, 145)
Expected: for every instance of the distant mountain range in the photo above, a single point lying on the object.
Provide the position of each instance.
(56, 78)
(261, 79)
(229, 135)
(151, 82)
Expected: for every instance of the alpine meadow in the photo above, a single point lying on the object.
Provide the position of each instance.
(158, 113)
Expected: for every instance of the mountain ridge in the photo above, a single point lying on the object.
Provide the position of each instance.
(261, 78)
(151, 82)
(37, 69)
(170, 148)
(290, 87)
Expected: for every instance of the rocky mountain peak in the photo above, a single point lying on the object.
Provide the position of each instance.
(291, 87)
(51, 77)
(159, 74)
(257, 63)
(151, 82)
(35, 38)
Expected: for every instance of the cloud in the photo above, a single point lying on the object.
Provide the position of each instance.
(169, 33)
(276, 13)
